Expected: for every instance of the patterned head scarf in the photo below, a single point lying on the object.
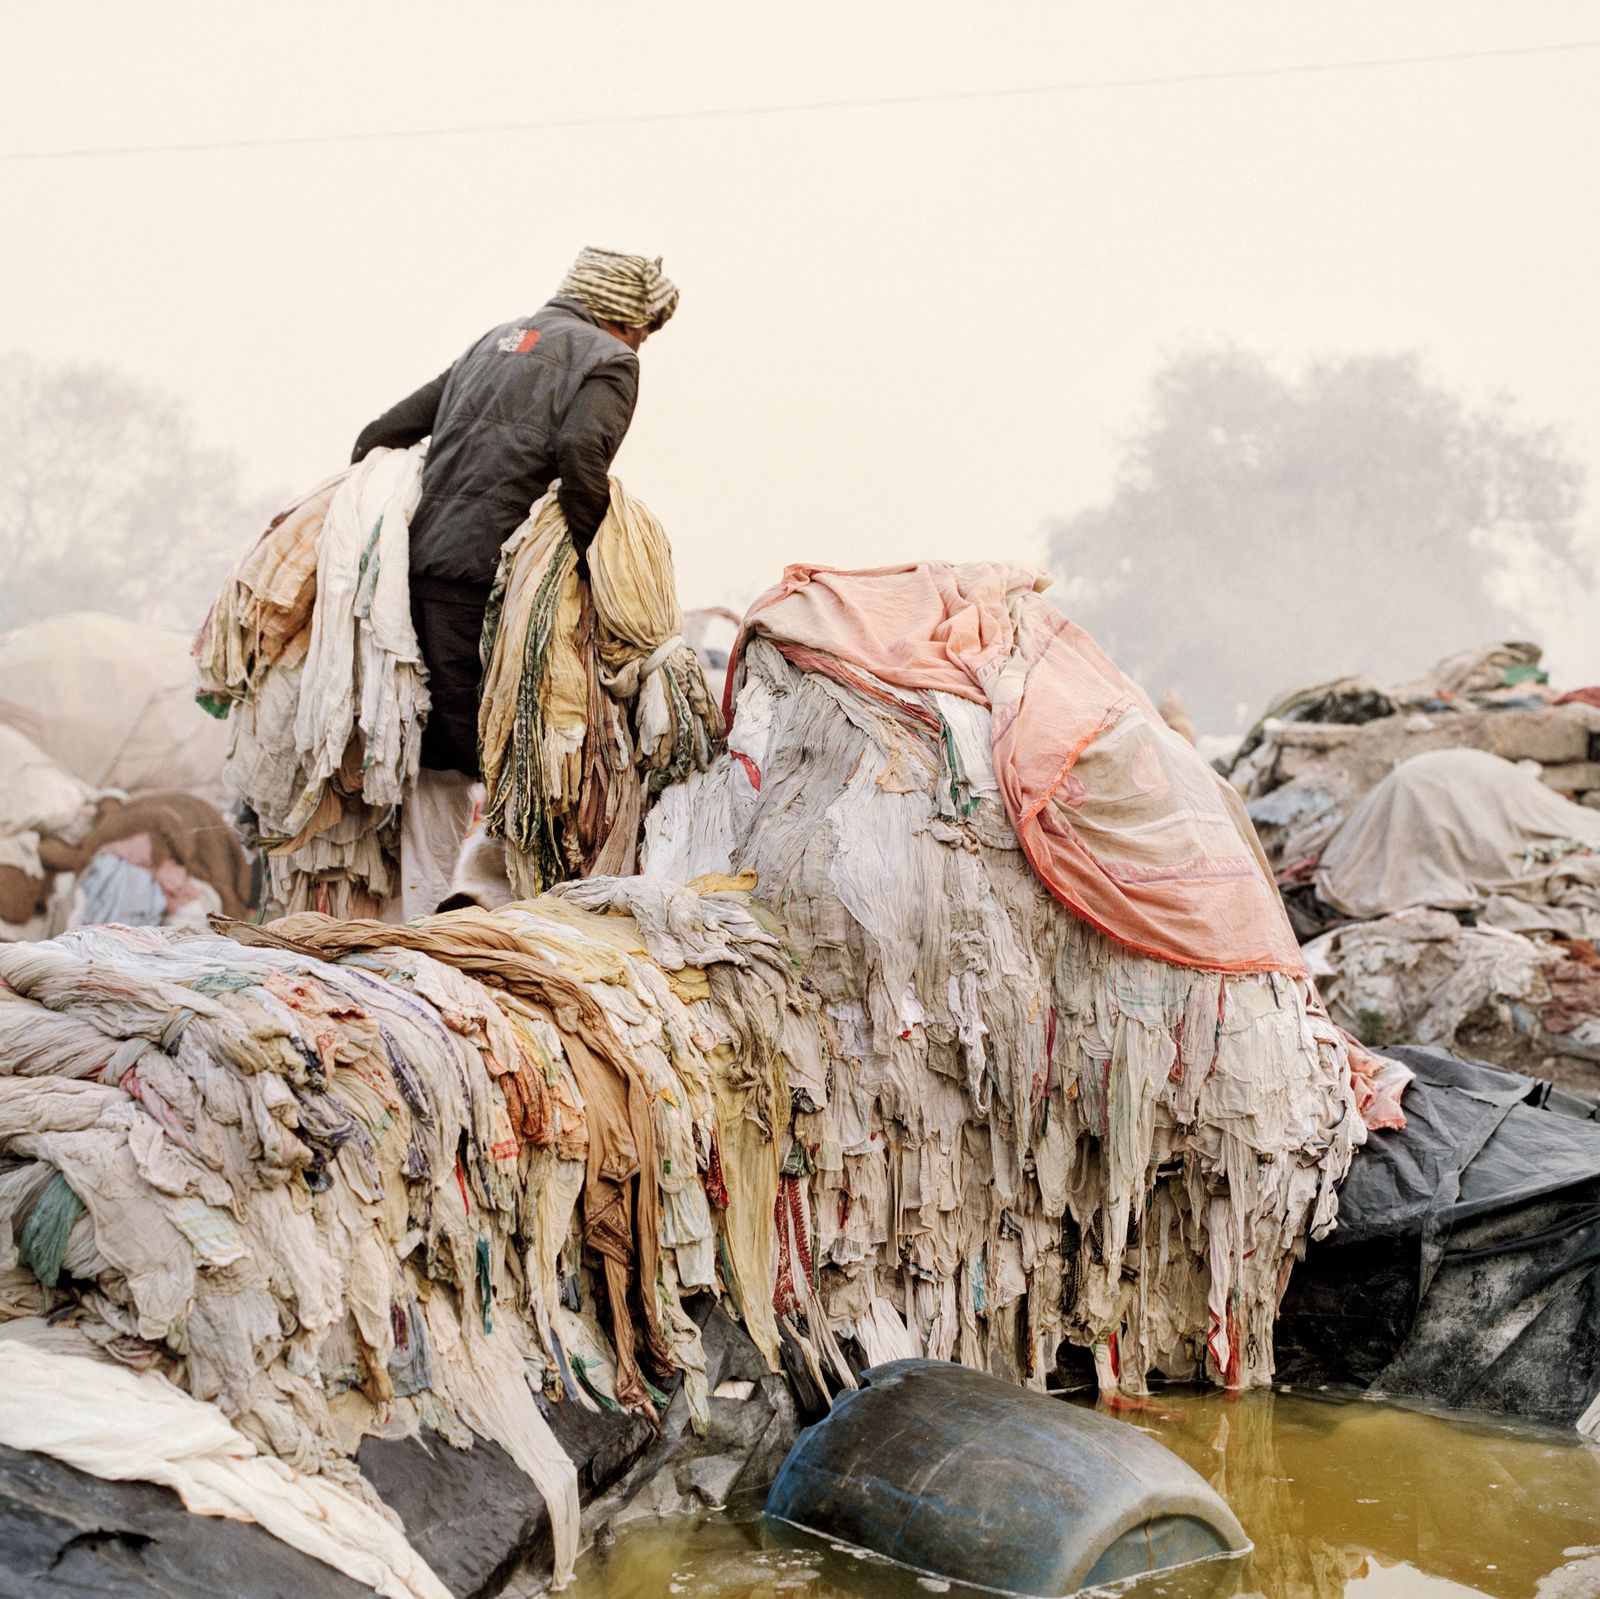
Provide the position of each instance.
(630, 290)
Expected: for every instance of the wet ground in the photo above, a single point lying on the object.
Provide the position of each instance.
(1345, 1498)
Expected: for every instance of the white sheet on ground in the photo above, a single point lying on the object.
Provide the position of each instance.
(122, 1425)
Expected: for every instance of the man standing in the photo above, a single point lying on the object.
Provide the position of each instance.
(549, 397)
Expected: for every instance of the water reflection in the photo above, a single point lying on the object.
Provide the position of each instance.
(1344, 1498)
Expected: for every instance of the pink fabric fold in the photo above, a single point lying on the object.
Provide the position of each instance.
(1122, 819)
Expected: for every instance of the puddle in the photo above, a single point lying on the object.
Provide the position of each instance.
(1345, 1498)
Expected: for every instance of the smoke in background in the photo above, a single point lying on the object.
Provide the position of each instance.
(108, 502)
(1269, 531)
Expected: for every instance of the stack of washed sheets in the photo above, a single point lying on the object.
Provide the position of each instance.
(346, 1178)
(1082, 1086)
(310, 646)
(592, 700)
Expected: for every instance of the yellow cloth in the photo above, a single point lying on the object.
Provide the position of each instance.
(589, 691)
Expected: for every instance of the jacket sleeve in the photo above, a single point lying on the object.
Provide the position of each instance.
(404, 424)
(591, 433)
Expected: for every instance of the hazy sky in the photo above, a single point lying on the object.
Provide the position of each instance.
(905, 330)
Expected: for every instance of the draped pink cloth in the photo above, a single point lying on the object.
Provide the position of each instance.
(1122, 819)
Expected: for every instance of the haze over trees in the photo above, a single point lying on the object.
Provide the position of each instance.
(1269, 531)
(108, 501)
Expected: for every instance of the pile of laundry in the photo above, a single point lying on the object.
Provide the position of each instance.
(593, 701)
(1306, 764)
(111, 700)
(1080, 1086)
(1464, 903)
(72, 854)
(43, 809)
(310, 646)
(959, 1015)
(273, 1192)
(1438, 849)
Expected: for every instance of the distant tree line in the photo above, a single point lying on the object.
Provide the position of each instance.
(1269, 531)
(108, 501)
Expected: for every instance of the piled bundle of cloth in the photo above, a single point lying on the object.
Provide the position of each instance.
(1465, 900)
(310, 645)
(323, 1179)
(44, 809)
(1437, 846)
(1307, 764)
(72, 854)
(1081, 1086)
(591, 702)
(159, 860)
(592, 699)
(958, 1016)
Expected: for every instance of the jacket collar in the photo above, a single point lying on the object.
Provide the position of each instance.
(572, 307)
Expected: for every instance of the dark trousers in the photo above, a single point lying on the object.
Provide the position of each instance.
(449, 624)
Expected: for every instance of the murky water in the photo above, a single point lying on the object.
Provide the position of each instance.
(1345, 1499)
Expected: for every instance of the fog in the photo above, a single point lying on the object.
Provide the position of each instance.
(923, 324)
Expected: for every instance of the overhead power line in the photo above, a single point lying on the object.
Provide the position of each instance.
(798, 108)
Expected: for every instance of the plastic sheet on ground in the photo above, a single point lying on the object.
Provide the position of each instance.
(112, 1422)
(1466, 1266)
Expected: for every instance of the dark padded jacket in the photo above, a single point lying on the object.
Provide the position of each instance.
(544, 398)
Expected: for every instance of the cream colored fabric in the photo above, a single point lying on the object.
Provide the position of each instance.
(1465, 830)
(591, 695)
(343, 1177)
(38, 796)
(262, 613)
(1419, 975)
(1017, 1113)
(112, 700)
(538, 555)
(434, 823)
(326, 722)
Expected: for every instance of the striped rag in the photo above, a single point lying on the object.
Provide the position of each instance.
(630, 290)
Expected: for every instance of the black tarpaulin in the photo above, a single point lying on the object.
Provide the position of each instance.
(1466, 1265)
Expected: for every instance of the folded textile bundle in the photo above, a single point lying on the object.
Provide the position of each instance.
(183, 841)
(71, 853)
(1081, 1087)
(347, 1177)
(311, 638)
(261, 617)
(592, 701)
(41, 804)
(1463, 830)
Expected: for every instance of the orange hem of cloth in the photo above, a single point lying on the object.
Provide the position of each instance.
(1111, 716)
(1149, 950)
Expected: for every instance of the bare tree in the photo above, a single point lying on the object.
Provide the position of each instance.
(1267, 532)
(108, 501)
